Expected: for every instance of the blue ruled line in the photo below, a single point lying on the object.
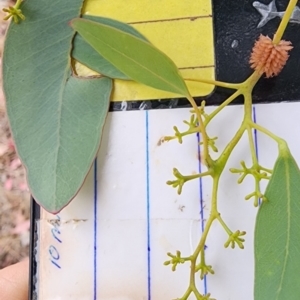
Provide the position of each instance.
(148, 209)
(201, 202)
(95, 229)
(255, 140)
(255, 132)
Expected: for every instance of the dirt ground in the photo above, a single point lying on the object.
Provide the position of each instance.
(14, 195)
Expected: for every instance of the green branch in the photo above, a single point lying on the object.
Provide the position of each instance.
(216, 167)
(284, 22)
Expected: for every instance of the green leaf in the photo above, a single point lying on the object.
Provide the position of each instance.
(88, 56)
(56, 118)
(277, 234)
(136, 58)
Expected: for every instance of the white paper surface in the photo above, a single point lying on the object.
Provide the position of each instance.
(111, 241)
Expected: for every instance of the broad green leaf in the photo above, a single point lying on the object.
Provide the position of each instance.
(136, 58)
(56, 118)
(277, 235)
(88, 56)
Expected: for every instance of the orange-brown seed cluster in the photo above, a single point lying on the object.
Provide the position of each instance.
(266, 57)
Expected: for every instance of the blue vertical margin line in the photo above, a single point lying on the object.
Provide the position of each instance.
(148, 210)
(95, 228)
(255, 139)
(201, 202)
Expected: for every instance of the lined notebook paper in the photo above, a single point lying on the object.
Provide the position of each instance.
(111, 241)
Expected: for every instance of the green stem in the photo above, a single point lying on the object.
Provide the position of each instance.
(267, 132)
(246, 90)
(188, 132)
(206, 157)
(223, 158)
(248, 85)
(201, 243)
(266, 170)
(243, 88)
(252, 147)
(220, 107)
(18, 3)
(214, 198)
(228, 231)
(285, 20)
(187, 294)
(202, 258)
(247, 107)
(282, 144)
(197, 294)
(195, 176)
(227, 85)
(200, 247)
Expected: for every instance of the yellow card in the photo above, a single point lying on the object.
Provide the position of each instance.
(183, 29)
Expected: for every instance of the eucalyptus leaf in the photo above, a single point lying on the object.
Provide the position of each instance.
(138, 59)
(56, 118)
(88, 56)
(277, 234)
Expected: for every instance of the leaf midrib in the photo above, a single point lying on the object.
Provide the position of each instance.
(122, 54)
(288, 192)
(67, 75)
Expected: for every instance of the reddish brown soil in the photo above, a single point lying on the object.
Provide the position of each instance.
(14, 195)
